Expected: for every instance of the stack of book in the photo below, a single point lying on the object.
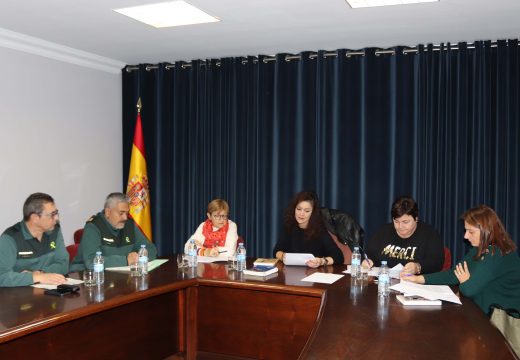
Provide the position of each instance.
(414, 300)
(265, 262)
(261, 270)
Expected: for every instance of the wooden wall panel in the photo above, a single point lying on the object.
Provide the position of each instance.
(256, 324)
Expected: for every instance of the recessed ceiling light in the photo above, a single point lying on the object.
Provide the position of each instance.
(173, 13)
(356, 4)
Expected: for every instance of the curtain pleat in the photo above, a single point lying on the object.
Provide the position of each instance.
(441, 125)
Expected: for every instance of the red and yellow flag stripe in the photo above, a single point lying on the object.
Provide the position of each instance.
(138, 189)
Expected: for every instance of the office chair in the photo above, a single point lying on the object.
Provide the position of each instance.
(447, 259)
(73, 249)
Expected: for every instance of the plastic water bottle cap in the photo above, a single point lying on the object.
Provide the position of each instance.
(143, 246)
(98, 252)
(383, 262)
(356, 248)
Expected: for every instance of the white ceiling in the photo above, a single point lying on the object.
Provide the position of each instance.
(252, 27)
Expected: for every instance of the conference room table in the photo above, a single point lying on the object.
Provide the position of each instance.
(213, 312)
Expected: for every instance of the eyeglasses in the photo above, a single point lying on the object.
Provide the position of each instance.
(53, 214)
(220, 217)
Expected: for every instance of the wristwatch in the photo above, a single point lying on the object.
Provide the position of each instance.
(325, 261)
(418, 268)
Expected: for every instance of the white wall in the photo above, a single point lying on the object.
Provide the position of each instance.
(60, 133)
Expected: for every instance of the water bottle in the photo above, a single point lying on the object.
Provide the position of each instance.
(382, 311)
(140, 283)
(192, 254)
(355, 289)
(99, 268)
(383, 284)
(241, 257)
(355, 264)
(143, 260)
(99, 293)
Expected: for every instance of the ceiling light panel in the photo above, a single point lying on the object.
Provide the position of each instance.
(168, 14)
(356, 4)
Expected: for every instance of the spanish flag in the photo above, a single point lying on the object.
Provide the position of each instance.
(137, 188)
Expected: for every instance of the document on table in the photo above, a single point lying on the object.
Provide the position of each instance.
(374, 271)
(297, 258)
(430, 292)
(323, 278)
(70, 281)
(151, 266)
(211, 259)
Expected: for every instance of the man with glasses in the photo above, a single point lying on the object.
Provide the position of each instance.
(114, 234)
(32, 251)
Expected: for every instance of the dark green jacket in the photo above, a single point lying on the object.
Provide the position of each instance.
(115, 244)
(494, 279)
(20, 251)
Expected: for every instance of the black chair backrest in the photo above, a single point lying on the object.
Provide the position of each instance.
(344, 226)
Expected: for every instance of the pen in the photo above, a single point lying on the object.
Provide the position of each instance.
(367, 260)
(223, 251)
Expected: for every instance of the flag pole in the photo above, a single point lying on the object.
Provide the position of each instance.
(138, 187)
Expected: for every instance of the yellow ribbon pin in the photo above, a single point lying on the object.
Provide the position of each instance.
(53, 245)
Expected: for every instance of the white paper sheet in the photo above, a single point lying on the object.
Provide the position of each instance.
(430, 292)
(324, 278)
(396, 270)
(70, 281)
(211, 259)
(297, 258)
(374, 271)
(151, 266)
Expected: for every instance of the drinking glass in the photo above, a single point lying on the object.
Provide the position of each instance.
(232, 262)
(88, 278)
(134, 269)
(363, 275)
(180, 261)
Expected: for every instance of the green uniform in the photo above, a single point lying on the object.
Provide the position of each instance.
(495, 279)
(115, 244)
(20, 251)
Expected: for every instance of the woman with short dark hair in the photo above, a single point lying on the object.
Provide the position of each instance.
(406, 240)
(304, 232)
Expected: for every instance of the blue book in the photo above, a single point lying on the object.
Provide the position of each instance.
(261, 270)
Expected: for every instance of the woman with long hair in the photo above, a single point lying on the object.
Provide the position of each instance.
(304, 232)
(490, 272)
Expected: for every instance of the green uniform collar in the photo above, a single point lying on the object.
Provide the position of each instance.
(109, 225)
(25, 231)
(27, 234)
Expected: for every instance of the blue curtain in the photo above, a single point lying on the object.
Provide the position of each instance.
(440, 124)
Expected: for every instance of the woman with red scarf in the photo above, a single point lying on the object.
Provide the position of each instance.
(217, 235)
